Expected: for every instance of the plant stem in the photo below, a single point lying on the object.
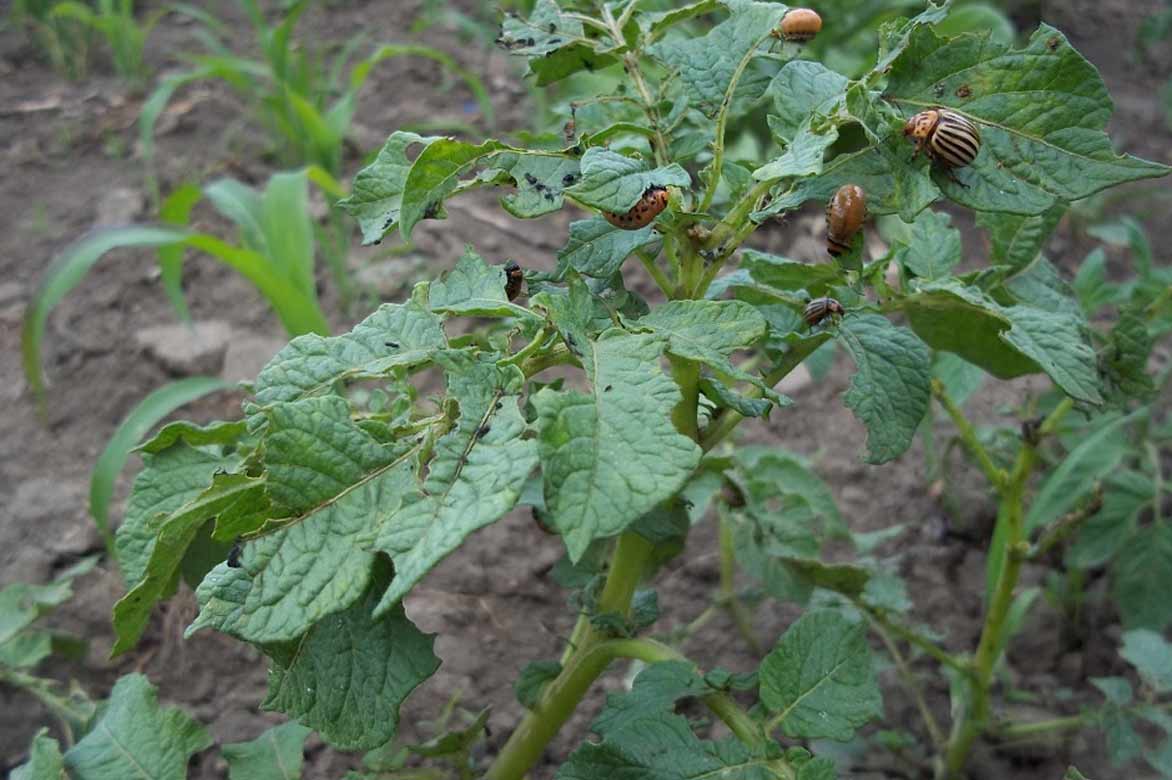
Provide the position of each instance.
(927, 646)
(631, 65)
(525, 352)
(728, 593)
(660, 278)
(973, 719)
(968, 436)
(722, 121)
(913, 685)
(584, 664)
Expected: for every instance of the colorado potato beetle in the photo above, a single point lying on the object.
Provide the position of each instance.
(821, 308)
(844, 216)
(799, 25)
(654, 201)
(945, 135)
(513, 279)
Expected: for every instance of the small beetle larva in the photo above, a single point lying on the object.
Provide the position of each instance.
(513, 279)
(654, 201)
(945, 136)
(800, 25)
(821, 308)
(844, 216)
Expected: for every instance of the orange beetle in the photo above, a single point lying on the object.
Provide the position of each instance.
(654, 201)
(844, 216)
(945, 136)
(799, 25)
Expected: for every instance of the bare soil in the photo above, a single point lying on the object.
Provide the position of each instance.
(68, 158)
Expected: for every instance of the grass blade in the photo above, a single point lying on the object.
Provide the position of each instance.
(176, 210)
(64, 273)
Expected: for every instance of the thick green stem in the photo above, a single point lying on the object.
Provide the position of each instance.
(973, 719)
(586, 661)
(658, 275)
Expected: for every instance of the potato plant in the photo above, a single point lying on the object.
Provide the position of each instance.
(363, 460)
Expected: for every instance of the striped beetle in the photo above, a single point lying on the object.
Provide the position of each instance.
(945, 136)
(821, 308)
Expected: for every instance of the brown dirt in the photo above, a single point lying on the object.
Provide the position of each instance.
(493, 603)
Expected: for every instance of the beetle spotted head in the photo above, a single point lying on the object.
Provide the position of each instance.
(920, 126)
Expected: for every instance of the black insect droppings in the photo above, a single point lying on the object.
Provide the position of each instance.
(393, 344)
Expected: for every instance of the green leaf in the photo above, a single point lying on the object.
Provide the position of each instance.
(775, 478)
(611, 456)
(170, 479)
(396, 335)
(434, 175)
(709, 332)
(334, 483)
(655, 690)
(930, 247)
(847, 579)
(1015, 240)
(377, 194)
(134, 738)
(1125, 493)
(275, 755)
(1124, 361)
(22, 603)
(597, 248)
(475, 477)
(348, 675)
(892, 186)
(641, 737)
(707, 64)
(891, 389)
(173, 537)
(1041, 286)
(539, 179)
(819, 679)
(804, 154)
(473, 288)
(1151, 655)
(1095, 457)
(144, 416)
(1123, 743)
(455, 743)
(1006, 341)
(1042, 126)
(612, 182)
(1074, 774)
(720, 394)
(45, 761)
(1142, 576)
(802, 88)
(26, 649)
(219, 432)
(785, 274)
(555, 45)
(534, 676)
